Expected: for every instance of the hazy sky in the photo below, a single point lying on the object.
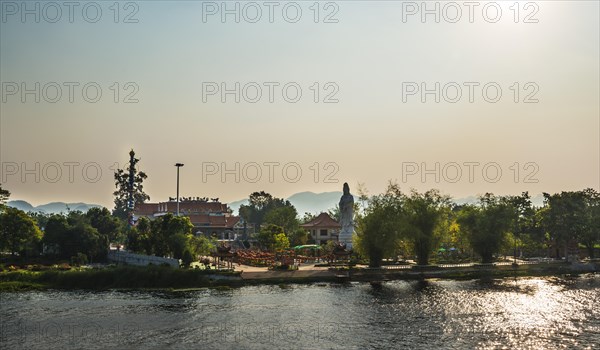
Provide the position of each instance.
(375, 59)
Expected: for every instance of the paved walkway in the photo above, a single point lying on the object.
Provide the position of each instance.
(253, 272)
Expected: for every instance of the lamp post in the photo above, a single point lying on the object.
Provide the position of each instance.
(178, 165)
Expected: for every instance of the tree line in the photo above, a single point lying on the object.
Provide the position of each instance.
(388, 225)
(422, 224)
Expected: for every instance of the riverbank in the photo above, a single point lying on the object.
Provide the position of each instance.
(160, 277)
(117, 277)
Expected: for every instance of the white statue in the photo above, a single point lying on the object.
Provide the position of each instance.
(346, 217)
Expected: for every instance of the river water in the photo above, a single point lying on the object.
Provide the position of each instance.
(539, 313)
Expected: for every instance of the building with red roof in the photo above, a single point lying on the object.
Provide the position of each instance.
(323, 228)
(209, 218)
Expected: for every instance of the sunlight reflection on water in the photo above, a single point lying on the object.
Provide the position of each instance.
(540, 313)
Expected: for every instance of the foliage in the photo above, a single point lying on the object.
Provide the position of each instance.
(266, 211)
(308, 217)
(139, 237)
(18, 232)
(106, 224)
(335, 211)
(121, 177)
(379, 230)
(4, 195)
(487, 224)
(267, 236)
(40, 218)
(423, 215)
(168, 235)
(187, 257)
(285, 217)
(202, 245)
(573, 217)
(329, 247)
(115, 277)
(298, 237)
(280, 242)
(79, 259)
(260, 203)
(67, 235)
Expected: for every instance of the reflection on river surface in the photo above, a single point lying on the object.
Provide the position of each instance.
(543, 313)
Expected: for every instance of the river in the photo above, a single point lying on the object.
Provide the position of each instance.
(539, 313)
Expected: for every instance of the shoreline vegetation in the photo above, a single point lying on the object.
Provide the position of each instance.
(165, 278)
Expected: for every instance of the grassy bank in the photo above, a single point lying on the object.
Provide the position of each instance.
(120, 277)
(158, 277)
(468, 273)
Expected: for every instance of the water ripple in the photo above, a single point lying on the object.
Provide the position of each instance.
(524, 313)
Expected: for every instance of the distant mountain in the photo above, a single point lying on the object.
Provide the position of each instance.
(235, 206)
(304, 202)
(537, 200)
(21, 205)
(52, 208)
(315, 203)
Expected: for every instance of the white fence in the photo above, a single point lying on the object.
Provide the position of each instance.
(123, 257)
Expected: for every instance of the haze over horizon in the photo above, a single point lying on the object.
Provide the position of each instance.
(368, 125)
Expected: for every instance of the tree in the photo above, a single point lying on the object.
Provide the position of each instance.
(487, 224)
(86, 240)
(178, 244)
(423, 214)
(267, 236)
(66, 236)
(379, 229)
(187, 258)
(564, 217)
(41, 218)
(281, 242)
(55, 234)
(335, 211)
(298, 237)
(133, 241)
(106, 224)
(18, 232)
(590, 232)
(526, 231)
(4, 195)
(285, 217)
(260, 203)
(202, 245)
(129, 182)
(167, 232)
(168, 235)
(308, 217)
(139, 238)
(363, 196)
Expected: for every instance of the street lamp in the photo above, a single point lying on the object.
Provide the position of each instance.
(178, 165)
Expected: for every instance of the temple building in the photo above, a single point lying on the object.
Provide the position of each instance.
(210, 218)
(323, 228)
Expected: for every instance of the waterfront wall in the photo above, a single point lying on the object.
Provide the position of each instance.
(123, 257)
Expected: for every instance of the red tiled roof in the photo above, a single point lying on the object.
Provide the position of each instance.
(323, 220)
(220, 221)
(187, 207)
(201, 207)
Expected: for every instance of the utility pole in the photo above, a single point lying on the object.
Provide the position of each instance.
(178, 165)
